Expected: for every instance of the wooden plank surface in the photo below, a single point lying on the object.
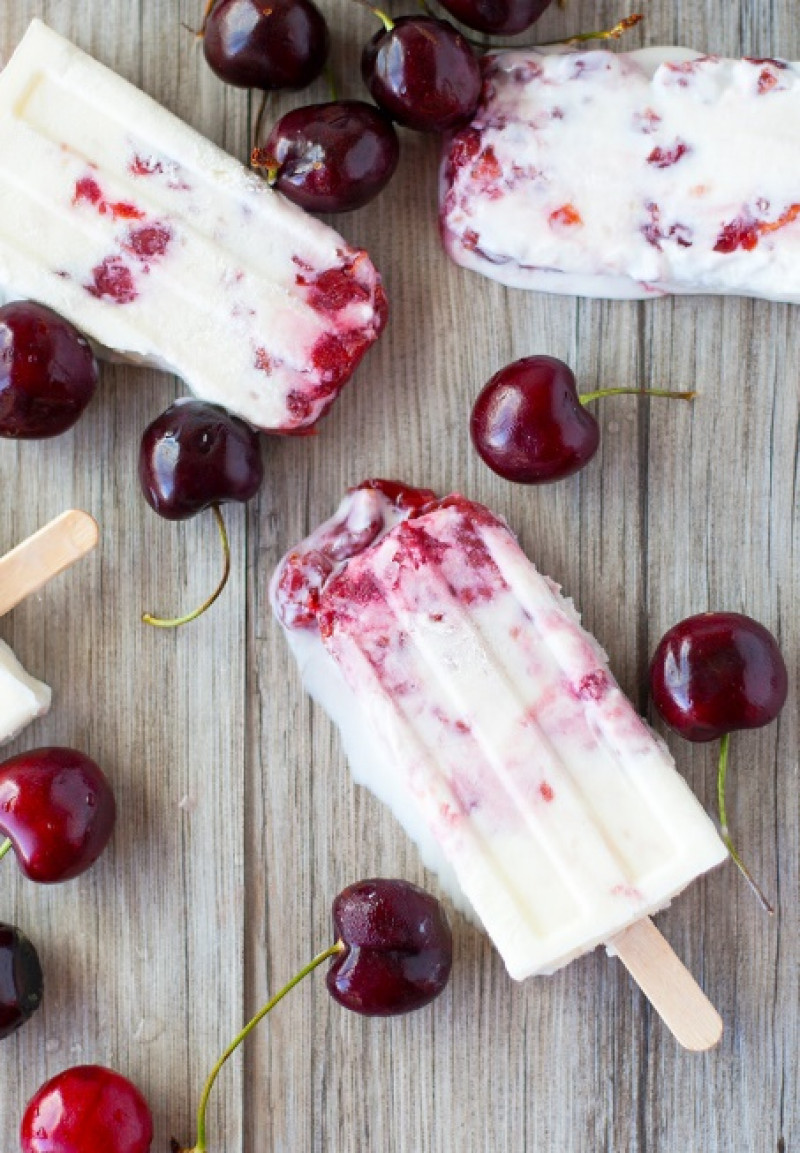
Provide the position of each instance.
(238, 820)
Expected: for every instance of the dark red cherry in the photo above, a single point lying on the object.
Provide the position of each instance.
(398, 948)
(717, 672)
(528, 423)
(57, 810)
(497, 17)
(48, 372)
(195, 455)
(252, 44)
(423, 72)
(392, 954)
(331, 157)
(21, 983)
(87, 1109)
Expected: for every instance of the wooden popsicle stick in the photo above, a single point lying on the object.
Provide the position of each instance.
(44, 555)
(668, 985)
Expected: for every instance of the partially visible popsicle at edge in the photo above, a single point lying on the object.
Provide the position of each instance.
(166, 251)
(493, 722)
(22, 699)
(629, 175)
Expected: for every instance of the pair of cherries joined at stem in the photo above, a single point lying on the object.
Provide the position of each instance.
(57, 814)
(713, 674)
(392, 954)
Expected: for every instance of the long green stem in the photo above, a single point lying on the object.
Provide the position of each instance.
(603, 34)
(585, 397)
(4, 848)
(200, 1144)
(722, 772)
(175, 622)
(607, 34)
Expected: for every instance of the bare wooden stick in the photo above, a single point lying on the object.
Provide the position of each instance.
(44, 555)
(668, 985)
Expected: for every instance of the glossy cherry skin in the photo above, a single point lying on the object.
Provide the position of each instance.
(333, 157)
(58, 810)
(196, 455)
(717, 672)
(251, 44)
(497, 17)
(528, 424)
(399, 948)
(423, 73)
(87, 1109)
(21, 982)
(48, 372)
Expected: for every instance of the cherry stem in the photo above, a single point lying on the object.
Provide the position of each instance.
(333, 90)
(206, 14)
(175, 622)
(387, 21)
(722, 772)
(585, 397)
(200, 1144)
(605, 34)
(5, 847)
(614, 33)
(257, 129)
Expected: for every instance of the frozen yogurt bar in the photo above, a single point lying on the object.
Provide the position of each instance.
(473, 701)
(629, 175)
(24, 571)
(166, 251)
(22, 699)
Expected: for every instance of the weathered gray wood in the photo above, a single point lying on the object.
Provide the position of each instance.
(238, 820)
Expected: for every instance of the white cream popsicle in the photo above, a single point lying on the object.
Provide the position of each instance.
(628, 175)
(23, 571)
(492, 722)
(166, 251)
(22, 699)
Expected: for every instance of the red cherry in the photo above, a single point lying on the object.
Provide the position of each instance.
(331, 157)
(57, 810)
(282, 44)
(48, 373)
(192, 457)
(195, 455)
(21, 983)
(715, 673)
(528, 423)
(87, 1109)
(423, 72)
(393, 954)
(398, 948)
(497, 17)
(712, 674)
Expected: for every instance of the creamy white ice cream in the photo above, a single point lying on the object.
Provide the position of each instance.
(628, 175)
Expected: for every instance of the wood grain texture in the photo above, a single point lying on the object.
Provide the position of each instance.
(238, 820)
